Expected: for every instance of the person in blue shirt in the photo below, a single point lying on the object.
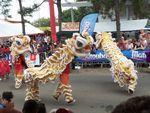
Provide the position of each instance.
(1, 105)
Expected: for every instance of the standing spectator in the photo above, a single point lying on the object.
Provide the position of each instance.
(8, 105)
(137, 33)
(4, 68)
(142, 34)
(38, 38)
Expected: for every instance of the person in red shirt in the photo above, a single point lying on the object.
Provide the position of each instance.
(19, 66)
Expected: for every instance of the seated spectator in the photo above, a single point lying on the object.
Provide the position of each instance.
(139, 104)
(30, 106)
(41, 108)
(8, 105)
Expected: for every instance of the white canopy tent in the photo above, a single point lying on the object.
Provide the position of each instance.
(125, 25)
(13, 28)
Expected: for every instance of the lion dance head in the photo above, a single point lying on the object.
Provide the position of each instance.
(20, 46)
(80, 44)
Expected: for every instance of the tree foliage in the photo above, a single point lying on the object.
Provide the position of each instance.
(5, 7)
(141, 8)
(42, 22)
(78, 14)
(27, 11)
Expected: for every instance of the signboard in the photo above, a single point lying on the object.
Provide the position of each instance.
(70, 26)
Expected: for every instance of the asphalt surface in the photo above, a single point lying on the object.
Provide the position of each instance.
(93, 89)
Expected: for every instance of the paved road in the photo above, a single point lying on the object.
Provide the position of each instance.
(93, 90)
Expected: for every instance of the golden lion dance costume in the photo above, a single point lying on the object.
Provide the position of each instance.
(55, 65)
(122, 68)
(19, 48)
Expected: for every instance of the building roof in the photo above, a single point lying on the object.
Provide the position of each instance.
(125, 25)
(12, 28)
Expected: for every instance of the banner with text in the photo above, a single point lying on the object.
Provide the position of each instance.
(100, 56)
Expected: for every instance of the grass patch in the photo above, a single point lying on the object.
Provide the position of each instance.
(145, 70)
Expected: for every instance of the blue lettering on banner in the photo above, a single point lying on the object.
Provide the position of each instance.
(138, 55)
(100, 56)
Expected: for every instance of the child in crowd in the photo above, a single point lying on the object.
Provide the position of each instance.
(7, 105)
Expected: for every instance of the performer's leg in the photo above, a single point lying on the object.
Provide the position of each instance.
(18, 81)
(32, 91)
(36, 91)
(132, 84)
(29, 92)
(58, 92)
(64, 88)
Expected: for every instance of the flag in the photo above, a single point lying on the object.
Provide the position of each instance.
(88, 23)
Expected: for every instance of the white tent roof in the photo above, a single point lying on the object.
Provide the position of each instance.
(8, 29)
(126, 25)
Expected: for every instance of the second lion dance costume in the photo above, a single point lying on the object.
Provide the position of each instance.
(122, 68)
(20, 46)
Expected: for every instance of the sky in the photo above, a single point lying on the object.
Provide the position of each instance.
(42, 12)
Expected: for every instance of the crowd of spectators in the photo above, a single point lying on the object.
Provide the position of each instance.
(137, 104)
(30, 106)
(4, 48)
(44, 45)
(141, 41)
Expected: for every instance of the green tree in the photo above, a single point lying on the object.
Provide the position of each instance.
(78, 14)
(27, 11)
(42, 22)
(66, 17)
(5, 8)
(141, 8)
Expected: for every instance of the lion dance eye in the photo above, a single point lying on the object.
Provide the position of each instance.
(79, 44)
(18, 43)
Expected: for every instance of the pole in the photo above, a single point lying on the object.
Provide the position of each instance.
(117, 14)
(22, 17)
(52, 20)
(72, 15)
